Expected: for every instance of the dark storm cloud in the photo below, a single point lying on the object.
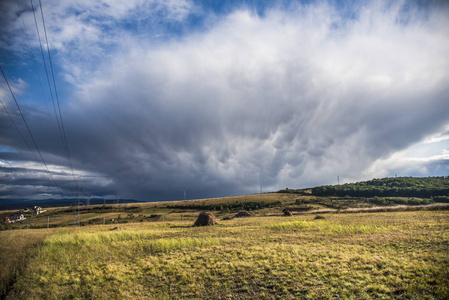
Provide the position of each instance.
(273, 99)
(289, 99)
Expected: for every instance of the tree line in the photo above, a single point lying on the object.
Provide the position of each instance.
(427, 187)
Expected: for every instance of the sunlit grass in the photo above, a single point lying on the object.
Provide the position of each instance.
(81, 238)
(324, 226)
(145, 240)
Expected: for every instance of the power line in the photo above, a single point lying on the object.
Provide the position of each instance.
(58, 117)
(17, 171)
(29, 131)
(64, 136)
(48, 79)
(20, 133)
(39, 78)
(23, 139)
(65, 144)
(7, 187)
(33, 57)
(14, 169)
(11, 190)
(45, 67)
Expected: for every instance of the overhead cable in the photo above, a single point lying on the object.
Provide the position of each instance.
(29, 131)
(56, 94)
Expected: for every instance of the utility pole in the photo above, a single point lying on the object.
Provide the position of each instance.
(78, 203)
(338, 180)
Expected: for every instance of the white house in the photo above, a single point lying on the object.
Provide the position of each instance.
(37, 210)
(16, 218)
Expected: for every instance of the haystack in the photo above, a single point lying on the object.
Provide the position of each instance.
(242, 214)
(205, 219)
(287, 213)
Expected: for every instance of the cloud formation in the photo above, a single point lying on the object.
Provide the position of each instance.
(284, 98)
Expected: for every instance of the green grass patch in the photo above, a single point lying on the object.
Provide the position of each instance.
(327, 227)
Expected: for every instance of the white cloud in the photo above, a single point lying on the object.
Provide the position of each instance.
(82, 33)
(429, 157)
(438, 137)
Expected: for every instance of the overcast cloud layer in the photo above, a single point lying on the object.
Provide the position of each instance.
(156, 103)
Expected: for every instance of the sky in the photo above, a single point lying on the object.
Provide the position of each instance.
(161, 100)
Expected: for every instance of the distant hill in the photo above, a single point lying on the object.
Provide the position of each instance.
(23, 204)
(420, 187)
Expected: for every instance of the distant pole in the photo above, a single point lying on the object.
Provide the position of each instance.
(338, 180)
(78, 203)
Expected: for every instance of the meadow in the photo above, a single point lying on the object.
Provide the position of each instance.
(17, 248)
(382, 255)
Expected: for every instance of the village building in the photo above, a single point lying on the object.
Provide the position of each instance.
(16, 218)
(37, 210)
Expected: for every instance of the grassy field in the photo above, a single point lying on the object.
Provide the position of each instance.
(17, 248)
(144, 212)
(256, 204)
(403, 255)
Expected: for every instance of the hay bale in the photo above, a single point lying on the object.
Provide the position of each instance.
(205, 219)
(287, 213)
(242, 214)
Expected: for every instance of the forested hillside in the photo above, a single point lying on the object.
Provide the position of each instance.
(389, 187)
